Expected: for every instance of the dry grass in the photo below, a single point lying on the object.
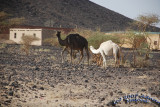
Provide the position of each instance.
(142, 77)
(27, 40)
(52, 41)
(125, 90)
(97, 58)
(141, 62)
(3, 45)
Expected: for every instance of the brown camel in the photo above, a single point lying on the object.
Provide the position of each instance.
(74, 42)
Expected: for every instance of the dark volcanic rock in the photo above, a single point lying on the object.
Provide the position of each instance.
(15, 84)
(34, 86)
(41, 88)
(35, 77)
(69, 14)
(10, 93)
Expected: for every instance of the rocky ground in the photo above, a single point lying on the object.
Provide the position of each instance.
(41, 80)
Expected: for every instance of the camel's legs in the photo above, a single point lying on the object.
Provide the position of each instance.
(81, 56)
(104, 59)
(62, 53)
(74, 53)
(71, 55)
(87, 54)
(119, 57)
(117, 60)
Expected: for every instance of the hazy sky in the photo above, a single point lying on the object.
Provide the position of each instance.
(131, 8)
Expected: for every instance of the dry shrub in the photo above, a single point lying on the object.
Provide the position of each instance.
(139, 41)
(98, 37)
(123, 58)
(83, 32)
(158, 63)
(6, 22)
(141, 62)
(52, 41)
(27, 41)
(3, 45)
(97, 58)
(17, 21)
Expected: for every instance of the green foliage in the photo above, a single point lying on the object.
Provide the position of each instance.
(16, 21)
(52, 58)
(135, 39)
(54, 40)
(145, 21)
(98, 37)
(142, 49)
(139, 46)
(150, 19)
(3, 45)
(141, 62)
(138, 41)
(95, 38)
(83, 32)
(5, 22)
(3, 15)
(43, 50)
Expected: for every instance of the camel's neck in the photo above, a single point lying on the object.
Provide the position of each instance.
(95, 51)
(61, 42)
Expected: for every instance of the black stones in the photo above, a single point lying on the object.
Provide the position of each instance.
(41, 88)
(86, 81)
(37, 68)
(8, 101)
(10, 93)
(111, 103)
(111, 93)
(15, 84)
(102, 99)
(94, 87)
(143, 90)
(120, 92)
(34, 86)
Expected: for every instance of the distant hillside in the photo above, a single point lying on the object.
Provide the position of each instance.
(66, 13)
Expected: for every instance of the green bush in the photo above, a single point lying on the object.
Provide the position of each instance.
(54, 40)
(98, 37)
(3, 45)
(141, 62)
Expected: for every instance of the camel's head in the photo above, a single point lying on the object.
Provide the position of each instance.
(58, 33)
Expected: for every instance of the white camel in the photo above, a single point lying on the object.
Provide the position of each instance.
(108, 48)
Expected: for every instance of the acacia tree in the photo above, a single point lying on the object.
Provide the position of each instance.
(144, 22)
(138, 40)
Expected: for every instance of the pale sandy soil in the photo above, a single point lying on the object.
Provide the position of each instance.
(41, 80)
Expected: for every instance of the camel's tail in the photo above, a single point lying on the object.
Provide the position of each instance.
(87, 51)
(119, 53)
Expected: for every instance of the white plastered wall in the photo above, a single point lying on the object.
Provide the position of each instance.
(17, 33)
